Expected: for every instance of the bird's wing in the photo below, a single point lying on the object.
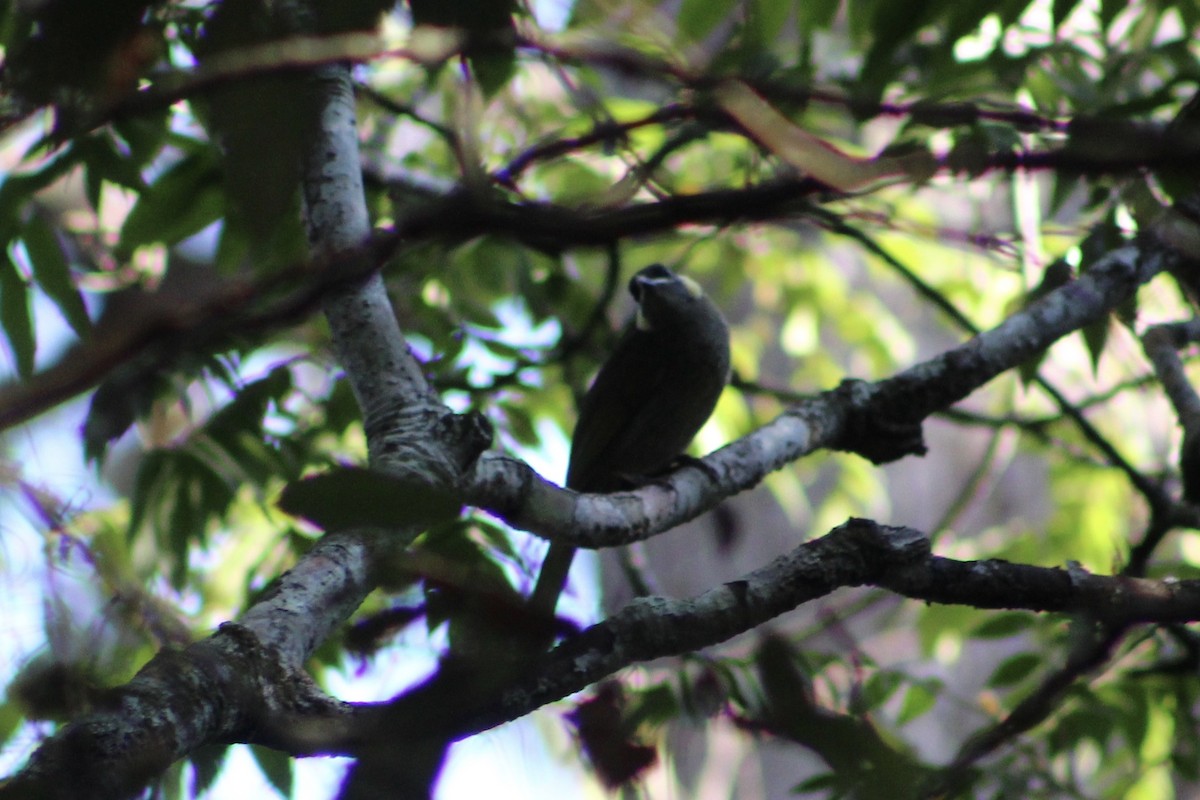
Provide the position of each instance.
(605, 414)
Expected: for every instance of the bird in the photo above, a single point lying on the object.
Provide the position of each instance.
(652, 394)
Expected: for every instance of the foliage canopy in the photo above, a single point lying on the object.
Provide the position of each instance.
(945, 201)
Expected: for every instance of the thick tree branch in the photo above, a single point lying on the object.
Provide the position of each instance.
(216, 690)
(860, 552)
(209, 323)
(1152, 491)
(221, 689)
(881, 421)
(260, 306)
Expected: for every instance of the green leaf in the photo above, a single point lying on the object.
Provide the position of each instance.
(102, 161)
(350, 497)
(125, 395)
(493, 68)
(150, 471)
(1095, 337)
(183, 201)
(655, 705)
(11, 718)
(764, 20)
(1014, 670)
(521, 425)
(698, 18)
(964, 18)
(144, 134)
(814, 14)
(1057, 273)
(785, 681)
(206, 765)
(822, 782)
(891, 25)
(1060, 10)
(1066, 183)
(496, 536)
(237, 429)
(15, 315)
(276, 765)
(1079, 725)
(919, 699)
(233, 248)
(341, 407)
(170, 783)
(1110, 8)
(18, 190)
(877, 690)
(53, 274)
(1027, 370)
(1136, 706)
(1003, 625)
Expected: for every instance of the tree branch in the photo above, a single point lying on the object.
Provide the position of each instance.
(880, 421)
(860, 552)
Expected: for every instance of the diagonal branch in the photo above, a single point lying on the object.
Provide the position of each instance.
(857, 553)
(881, 421)
(239, 307)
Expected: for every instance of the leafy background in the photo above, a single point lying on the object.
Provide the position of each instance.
(153, 253)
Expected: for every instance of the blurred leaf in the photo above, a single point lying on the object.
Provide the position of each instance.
(144, 134)
(338, 17)
(206, 765)
(1135, 705)
(16, 316)
(1095, 337)
(1056, 275)
(607, 738)
(496, 536)
(467, 588)
(18, 190)
(1079, 725)
(919, 699)
(816, 14)
(237, 428)
(350, 497)
(1060, 10)
(489, 46)
(184, 200)
(1110, 8)
(102, 162)
(1066, 184)
(821, 782)
(261, 122)
(124, 396)
(698, 18)
(53, 274)
(1003, 625)
(493, 69)
(276, 766)
(11, 718)
(785, 680)
(341, 407)
(520, 425)
(1014, 669)
(654, 705)
(878, 689)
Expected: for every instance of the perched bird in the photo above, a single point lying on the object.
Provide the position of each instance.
(649, 398)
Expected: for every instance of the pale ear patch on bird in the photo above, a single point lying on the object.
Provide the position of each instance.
(693, 288)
